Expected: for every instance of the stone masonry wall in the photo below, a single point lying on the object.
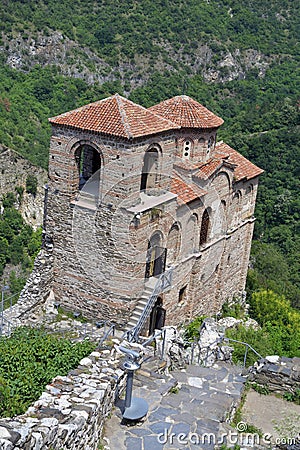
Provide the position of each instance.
(35, 291)
(100, 253)
(278, 374)
(70, 413)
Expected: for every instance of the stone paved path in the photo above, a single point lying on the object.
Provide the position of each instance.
(199, 404)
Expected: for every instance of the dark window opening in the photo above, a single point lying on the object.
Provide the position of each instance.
(150, 170)
(204, 228)
(157, 316)
(210, 144)
(156, 257)
(88, 161)
(182, 294)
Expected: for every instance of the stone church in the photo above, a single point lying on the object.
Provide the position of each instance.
(149, 215)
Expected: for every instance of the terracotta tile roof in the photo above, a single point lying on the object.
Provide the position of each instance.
(210, 167)
(186, 192)
(115, 116)
(186, 165)
(244, 168)
(187, 113)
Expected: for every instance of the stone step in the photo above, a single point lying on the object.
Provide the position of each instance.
(139, 308)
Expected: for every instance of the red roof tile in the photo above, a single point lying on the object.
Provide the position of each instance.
(116, 116)
(208, 168)
(186, 165)
(186, 192)
(187, 113)
(245, 168)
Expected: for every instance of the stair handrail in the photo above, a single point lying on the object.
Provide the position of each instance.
(10, 328)
(163, 282)
(247, 348)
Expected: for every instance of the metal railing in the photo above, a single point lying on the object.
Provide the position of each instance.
(6, 327)
(110, 331)
(155, 335)
(202, 357)
(5, 324)
(163, 282)
(247, 348)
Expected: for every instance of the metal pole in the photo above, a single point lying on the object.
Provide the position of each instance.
(163, 344)
(192, 352)
(129, 387)
(245, 355)
(2, 307)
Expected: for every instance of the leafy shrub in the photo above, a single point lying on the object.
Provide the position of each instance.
(29, 360)
(293, 396)
(19, 244)
(280, 332)
(31, 185)
(193, 328)
(234, 309)
(8, 200)
(20, 191)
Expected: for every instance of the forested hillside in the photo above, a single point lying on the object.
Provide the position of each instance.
(240, 59)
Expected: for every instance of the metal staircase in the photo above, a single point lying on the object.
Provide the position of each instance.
(146, 303)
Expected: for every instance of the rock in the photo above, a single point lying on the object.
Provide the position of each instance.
(229, 322)
(86, 362)
(96, 355)
(49, 422)
(4, 433)
(274, 359)
(6, 445)
(195, 382)
(251, 323)
(225, 353)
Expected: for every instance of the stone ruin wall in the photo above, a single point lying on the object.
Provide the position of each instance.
(35, 292)
(279, 375)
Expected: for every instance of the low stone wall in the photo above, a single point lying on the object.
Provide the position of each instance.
(279, 374)
(71, 412)
(35, 291)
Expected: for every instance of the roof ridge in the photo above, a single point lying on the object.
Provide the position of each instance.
(119, 100)
(123, 115)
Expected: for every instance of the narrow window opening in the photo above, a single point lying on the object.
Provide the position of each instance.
(210, 144)
(204, 228)
(182, 294)
(150, 170)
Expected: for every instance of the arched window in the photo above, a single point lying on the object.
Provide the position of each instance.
(173, 243)
(150, 169)
(210, 144)
(236, 208)
(223, 216)
(156, 256)
(249, 189)
(186, 151)
(88, 161)
(204, 228)
(190, 235)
